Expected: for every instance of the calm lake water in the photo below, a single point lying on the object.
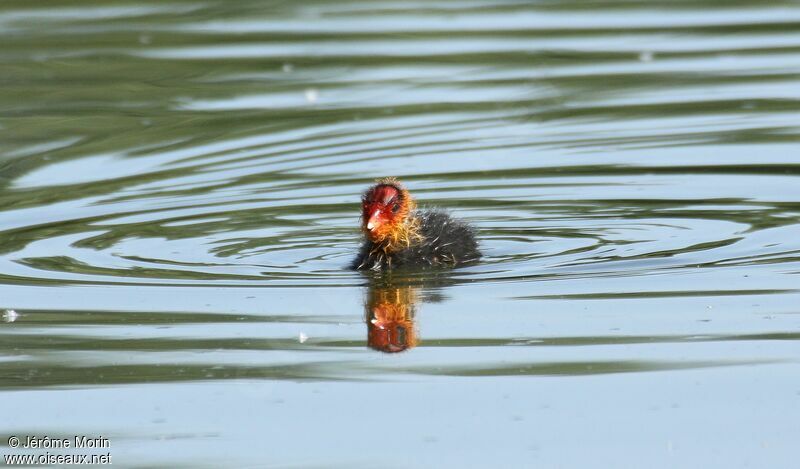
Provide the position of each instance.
(180, 183)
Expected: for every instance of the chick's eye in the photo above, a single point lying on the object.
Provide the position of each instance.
(395, 208)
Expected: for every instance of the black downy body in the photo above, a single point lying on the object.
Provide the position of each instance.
(446, 242)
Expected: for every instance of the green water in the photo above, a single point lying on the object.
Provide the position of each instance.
(179, 196)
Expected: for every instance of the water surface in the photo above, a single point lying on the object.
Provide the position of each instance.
(180, 182)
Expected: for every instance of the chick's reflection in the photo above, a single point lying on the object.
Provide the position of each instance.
(390, 318)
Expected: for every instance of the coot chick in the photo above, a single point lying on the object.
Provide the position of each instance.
(397, 235)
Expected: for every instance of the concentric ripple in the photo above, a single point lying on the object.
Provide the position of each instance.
(238, 154)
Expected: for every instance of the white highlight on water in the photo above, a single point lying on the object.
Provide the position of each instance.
(312, 95)
(10, 315)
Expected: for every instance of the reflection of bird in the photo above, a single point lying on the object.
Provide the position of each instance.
(390, 319)
(398, 235)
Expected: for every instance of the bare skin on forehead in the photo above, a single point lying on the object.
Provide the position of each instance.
(383, 194)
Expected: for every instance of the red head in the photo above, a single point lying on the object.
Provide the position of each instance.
(385, 210)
